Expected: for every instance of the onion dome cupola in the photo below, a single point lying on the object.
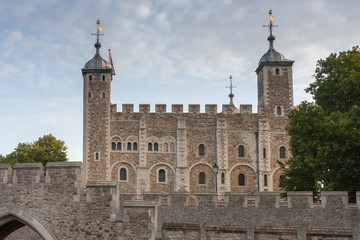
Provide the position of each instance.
(97, 62)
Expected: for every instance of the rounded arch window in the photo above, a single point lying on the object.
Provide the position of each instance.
(162, 175)
(135, 146)
(123, 174)
(201, 150)
(241, 151)
(278, 111)
(156, 147)
(265, 180)
(149, 146)
(202, 178)
(118, 146)
(282, 152)
(277, 71)
(241, 179)
(113, 146)
(129, 146)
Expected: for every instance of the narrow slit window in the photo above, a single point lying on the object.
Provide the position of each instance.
(264, 153)
(89, 94)
(103, 95)
(103, 77)
(265, 180)
(222, 178)
(201, 178)
(97, 157)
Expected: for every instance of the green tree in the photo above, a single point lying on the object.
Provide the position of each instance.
(45, 149)
(325, 135)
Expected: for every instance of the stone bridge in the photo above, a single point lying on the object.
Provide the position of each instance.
(58, 204)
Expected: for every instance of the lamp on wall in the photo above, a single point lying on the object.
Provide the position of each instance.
(216, 171)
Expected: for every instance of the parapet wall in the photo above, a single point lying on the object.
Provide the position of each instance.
(179, 108)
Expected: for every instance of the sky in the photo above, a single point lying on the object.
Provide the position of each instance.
(164, 52)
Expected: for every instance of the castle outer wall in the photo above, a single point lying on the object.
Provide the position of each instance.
(58, 205)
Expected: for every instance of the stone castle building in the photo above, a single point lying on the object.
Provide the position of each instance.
(151, 175)
(176, 151)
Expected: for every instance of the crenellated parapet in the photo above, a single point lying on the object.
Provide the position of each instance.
(179, 109)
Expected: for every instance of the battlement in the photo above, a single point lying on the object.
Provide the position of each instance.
(179, 109)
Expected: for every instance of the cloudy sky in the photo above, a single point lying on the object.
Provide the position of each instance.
(168, 52)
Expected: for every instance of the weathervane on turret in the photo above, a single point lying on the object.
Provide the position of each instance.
(98, 34)
(271, 24)
(231, 95)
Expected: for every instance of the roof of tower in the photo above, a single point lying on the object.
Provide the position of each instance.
(97, 62)
(272, 55)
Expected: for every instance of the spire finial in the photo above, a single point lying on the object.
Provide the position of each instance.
(231, 95)
(271, 38)
(98, 34)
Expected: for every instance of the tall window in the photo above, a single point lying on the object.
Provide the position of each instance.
(129, 146)
(277, 71)
(222, 178)
(156, 147)
(162, 175)
(135, 146)
(123, 174)
(201, 178)
(103, 95)
(90, 77)
(149, 146)
(265, 180)
(97, 157)
(264, 153)
(113, 146)
(241, 179)
(278, 111)
(241, 151)
(89, 94)
(118, 147)
(281, 181)
(201, 150)
(282, 152)
(166, 147)
(103, 77)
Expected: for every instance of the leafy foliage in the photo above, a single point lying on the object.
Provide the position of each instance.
(325, 135)
(45, 149)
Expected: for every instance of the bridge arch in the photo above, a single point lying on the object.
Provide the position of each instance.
(13, 218)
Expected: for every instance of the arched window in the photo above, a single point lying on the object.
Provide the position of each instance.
(118, 146)
(123, 174)
(135, 146)
(277, 71)
(156, 147)
(103, 95)
(278, 111)
(201, 178)
(222, 178)
(129, 146)
(241, 179)
(265, 180)
(149, 146)
(264, 153)
(201, 150)
(90, 77)
(113, 146)
(282, 152)
(241, 151)
(172, 147)
(103, 77)
(166, 147)
(162, 175)
(281, 181)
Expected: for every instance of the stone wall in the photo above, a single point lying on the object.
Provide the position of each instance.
(59, 205)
